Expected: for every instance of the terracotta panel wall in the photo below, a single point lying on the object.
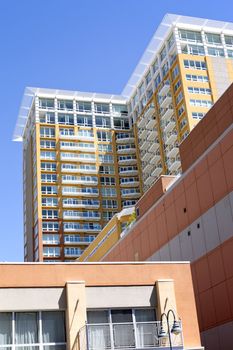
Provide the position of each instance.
(192, 195)
(216, 121)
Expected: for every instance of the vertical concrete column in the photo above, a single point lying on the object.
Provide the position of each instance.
(166, 298)
(76, 315)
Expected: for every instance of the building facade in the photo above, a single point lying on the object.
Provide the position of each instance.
(191, 218)
(80, 168)
(58, 306)
(88, 156)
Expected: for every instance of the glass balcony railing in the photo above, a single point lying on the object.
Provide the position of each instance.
(125, 336)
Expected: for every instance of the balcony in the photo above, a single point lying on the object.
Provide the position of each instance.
(173, 164)
(78, 192)
(145, 145)
(171, 138)
(156, 157)
(150, 124)
(170, 125)
(85, 138)
(131, 194)
(143, 134)
(146, 156)
(128, 172)
(82, 204)
(68, 137)
(142, 122)
(127, 161)
(167, 100)
(167, 113)
(126, 150)
(134, 183)
(82, 216)
(152, 135)
(148, 168)
(173, 152)
(125, 336)
(78, 240)
(80, 182)
(149, 180)
(165, 89)
(149, 112)
(125, 139)
(157, 171)
(154, 147)
(95, 229)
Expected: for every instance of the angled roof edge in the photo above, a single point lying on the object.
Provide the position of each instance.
(161, 33)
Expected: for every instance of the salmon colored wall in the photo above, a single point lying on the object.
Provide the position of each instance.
(216, 121)
(153, 194)
(196, 191)
(213, 285)
(125, 274)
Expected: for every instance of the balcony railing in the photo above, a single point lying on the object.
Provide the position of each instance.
(125, 336)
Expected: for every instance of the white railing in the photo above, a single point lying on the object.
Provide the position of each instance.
(125, 336)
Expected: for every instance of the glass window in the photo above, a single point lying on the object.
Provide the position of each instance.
(48, 117)
(84, 120)
(193, 50)
(102, 108)
(83, 106)
(145, 315)
(121, 316)
(120, 109)
(155, 66)
(104, 136)
(213, 51)
(5, 328)
(46, 103)
(213, 39)
(103, 122)
(67, 119)
(121, 123)
(65, 105)
(171, 41)
(53, 327)
(163, 54)
(188, 35)
(26, 327)
(229, 40)
(94, 317)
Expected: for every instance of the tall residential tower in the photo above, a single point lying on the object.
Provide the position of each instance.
(87, 156)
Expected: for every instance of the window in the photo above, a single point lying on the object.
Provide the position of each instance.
(193, 50)
(104, 147)
(102, 108)
(67, 119)
(108, 192)
(120, 110)
(46, 103)
(104, 136)
(105, 158)
(47, 144)
(198, 115)
(171, 41)
(201, 103)
(229, 40)
(213, 39)
(163, 53)
(175, 72)
(108, 181)
(230, 53)
(141, 88)
(50, 226)
(51, 238)
(103, 122)
(47, 132)
(49, 189)
(106, 169)
(48, 166)
(48, 155)
(179, 97)
(107, 215)
(51, 252)
(128, 203)
(121, 123)
(83, 106)
(157, 81)
(49, 202)
(85, 133)
(49, 214)
(148, 78)
(84, 120)
(177, 85)
(165, 69)
(65, 105)
(181, 110)
(189, 35)
(66, 132)
(32, 329)
(183, 122)
(109, 203)
(48, 118)
(197, 90)
(212, 51)
(48, 178)
(194, 64)
(155, 66)
(199, 78)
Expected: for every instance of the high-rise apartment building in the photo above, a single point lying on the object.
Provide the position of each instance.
(87, 156)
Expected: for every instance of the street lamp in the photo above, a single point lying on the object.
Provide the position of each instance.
(176, 329)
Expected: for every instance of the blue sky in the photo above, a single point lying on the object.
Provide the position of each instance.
(87, 45)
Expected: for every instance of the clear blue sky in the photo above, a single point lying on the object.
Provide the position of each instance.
(87, 45)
